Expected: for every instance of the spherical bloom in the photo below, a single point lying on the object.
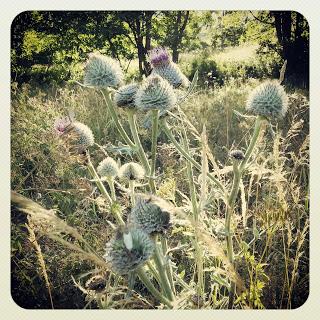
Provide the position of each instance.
(60, 125)
(236, 154)
(102, 72)
(155, 93)
(108, 168)
(128, 250)
(131, 171)
(165, 68)
(269, 100)
(83, 135)
(124, 97)
(151, 214)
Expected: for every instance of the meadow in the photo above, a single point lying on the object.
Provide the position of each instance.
(237, 239)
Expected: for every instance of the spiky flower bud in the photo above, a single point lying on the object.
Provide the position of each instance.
(102, 72)
(236, 154)
(165, 68)
(96, 283)
(83, 135)
(128, 250)
(151, 214)
(108, 168)
(131, 171)
(268, 99)
(124, 97)
(155, 93)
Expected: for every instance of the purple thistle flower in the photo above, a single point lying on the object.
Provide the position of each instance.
(159, 56)
(60, 125)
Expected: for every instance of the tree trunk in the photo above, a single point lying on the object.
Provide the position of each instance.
(294, 46)
(178, 30)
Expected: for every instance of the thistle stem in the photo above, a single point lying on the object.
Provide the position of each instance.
(256, 132)
(112, 189)
(131, 187)
(164, 245)
(146, 281)
(139, 148)
(103, 190)
(195, 211)
(155, 125)
(164, 282)
(237, 174)
(109, 103)
(185, 154)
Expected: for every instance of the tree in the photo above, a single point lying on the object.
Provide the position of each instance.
(140, 24)
(293, 35)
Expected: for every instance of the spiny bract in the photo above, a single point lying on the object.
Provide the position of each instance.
(108, 168)
(131, 171)
(102, 72)
(124, 97)
(84, 135)
(151, 214)
(269, 100)
(236, 154)
(123, 259)
(165, 68)
(155, 93)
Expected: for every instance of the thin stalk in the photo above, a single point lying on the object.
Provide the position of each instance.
(237, 174)
(131, 187)
(155, 125)
(195, 211)
(103, 190)
(146, 281)
(112, 189)
(256, 132)
(139, 148)
(230, 209)
(169, 272)
(109, 103)
(153, 271)
(164, 281)
(185, 154)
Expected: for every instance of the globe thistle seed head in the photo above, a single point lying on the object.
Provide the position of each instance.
(155, 93)
(108, 168)
(151, 214)
(172, 73)
(268, 99)
(125, 95)
(124, 258)
(236, 154)
(102, 71)
(61, 125)
(83, 135)
(159, 57)
(131, 171)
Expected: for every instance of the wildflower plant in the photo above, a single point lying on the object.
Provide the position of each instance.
(137, 247)
(128, 250)
(102, 72)
(164, 67)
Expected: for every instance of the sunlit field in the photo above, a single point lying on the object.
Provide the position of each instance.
(170, 177)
